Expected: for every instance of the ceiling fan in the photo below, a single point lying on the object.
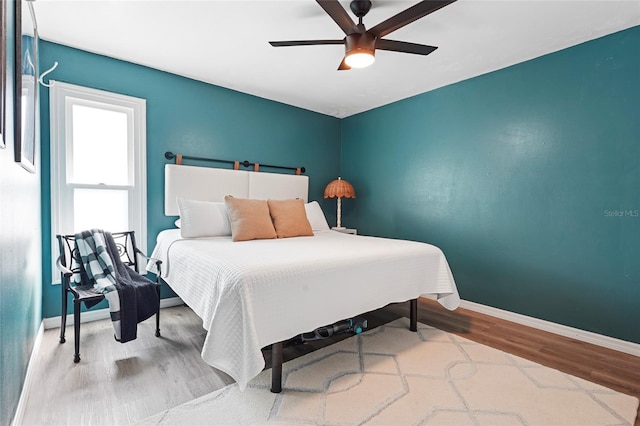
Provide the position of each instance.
(360, 44)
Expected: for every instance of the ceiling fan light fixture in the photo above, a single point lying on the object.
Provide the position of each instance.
(360, 50)
(360, 59)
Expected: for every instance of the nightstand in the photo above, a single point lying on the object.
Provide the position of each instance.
(346, 230)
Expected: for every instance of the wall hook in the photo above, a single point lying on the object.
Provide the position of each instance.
(55, 65)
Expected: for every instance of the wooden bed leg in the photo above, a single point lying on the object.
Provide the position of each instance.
(276, 367)
(413, 315)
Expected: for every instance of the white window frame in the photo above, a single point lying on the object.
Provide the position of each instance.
(62, 97)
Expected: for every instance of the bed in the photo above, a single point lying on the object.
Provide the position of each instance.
(252, 294)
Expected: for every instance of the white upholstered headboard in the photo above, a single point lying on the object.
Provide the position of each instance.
(210, 184)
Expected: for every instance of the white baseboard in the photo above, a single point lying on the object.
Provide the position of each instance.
(562, 330)
(100, 314)
(28, 379)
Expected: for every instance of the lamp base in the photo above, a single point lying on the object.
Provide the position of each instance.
(338, 227)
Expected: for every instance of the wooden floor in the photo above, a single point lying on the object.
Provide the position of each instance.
(120, 384)
(613, 369)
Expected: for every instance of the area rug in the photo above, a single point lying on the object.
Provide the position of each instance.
(392, 376)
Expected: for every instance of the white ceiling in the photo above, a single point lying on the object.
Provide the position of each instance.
(225, 43)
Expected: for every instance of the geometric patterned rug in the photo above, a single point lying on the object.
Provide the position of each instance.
(392, 376)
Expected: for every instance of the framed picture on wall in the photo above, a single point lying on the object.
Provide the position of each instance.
(3, 70)
(26, 85)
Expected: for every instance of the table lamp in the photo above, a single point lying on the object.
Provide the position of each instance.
(339, 189)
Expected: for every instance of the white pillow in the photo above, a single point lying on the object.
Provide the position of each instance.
(203, 219)
(177, 223)
(316, 216)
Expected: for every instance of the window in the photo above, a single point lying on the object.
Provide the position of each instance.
(98, 162)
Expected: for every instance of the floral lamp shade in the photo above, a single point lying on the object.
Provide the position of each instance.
(339, 189)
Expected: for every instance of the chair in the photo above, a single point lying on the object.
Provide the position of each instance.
(128, 251)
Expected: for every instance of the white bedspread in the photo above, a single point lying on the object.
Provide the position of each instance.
(254, 293)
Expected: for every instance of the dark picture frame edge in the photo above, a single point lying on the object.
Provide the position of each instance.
(17, 81)
(3, 71)
(25, 147)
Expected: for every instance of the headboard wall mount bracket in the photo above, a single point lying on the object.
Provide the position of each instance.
(256, 166)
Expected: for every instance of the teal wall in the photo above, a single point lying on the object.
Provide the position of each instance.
(20, 270)
(192, 118)
(518, 175)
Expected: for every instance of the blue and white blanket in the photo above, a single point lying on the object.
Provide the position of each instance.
(132, 298)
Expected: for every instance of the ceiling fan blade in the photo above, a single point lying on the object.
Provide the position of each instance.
(343, 66)
(304, 42)
(404, 47)
(407, 16)
(335, 10)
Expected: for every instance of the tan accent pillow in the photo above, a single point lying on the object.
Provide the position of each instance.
(249, 219)
(290, 218)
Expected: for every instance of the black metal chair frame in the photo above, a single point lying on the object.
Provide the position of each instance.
(128, 251)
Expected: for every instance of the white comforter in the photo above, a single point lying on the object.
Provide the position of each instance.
(254, 293)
